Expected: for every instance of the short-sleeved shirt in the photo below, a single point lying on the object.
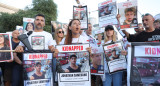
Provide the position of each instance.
(47, 37)
(148, 36)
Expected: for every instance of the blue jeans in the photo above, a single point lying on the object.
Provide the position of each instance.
(115, 77)
(17, 72)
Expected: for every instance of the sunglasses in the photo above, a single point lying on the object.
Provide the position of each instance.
(61, 32)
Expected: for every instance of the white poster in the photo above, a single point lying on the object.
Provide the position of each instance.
(75, 65)
(115, 60)
(128, 13)
(81, 14)
(37, 69)
(107, 13)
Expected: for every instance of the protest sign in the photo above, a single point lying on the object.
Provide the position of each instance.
(128, 13)
(107, 13)
(37, 69)
(144, 64)
(5, 42)
(115, 60)
(75, 63)
(81, 14)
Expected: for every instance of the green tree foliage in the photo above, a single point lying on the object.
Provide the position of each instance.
(8, 22)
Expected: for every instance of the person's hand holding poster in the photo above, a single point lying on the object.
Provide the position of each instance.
(127, 16)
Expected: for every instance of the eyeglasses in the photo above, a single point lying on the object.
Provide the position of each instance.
(61, 32)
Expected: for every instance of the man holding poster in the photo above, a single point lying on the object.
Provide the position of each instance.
(38, 32)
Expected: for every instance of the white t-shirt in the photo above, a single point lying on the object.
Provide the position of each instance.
(80, 39)
(45, 36)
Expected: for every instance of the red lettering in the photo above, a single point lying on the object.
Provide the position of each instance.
(153, 51)
(158, 51)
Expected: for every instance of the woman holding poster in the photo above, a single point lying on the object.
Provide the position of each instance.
(73, 33)
(110, 36)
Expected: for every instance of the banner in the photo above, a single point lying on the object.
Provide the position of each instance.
(28, 24)
(38, 69)
(81, 14)
(115, 61)
(128, 13)
(75, 65)
(144, 69)
(97, 61)
(107, 13)
(5, 42)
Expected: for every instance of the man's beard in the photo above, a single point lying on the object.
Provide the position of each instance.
(39, 28)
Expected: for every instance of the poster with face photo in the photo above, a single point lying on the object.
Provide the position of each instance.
(37, 69)
(115, 60)
(74, 60)
(144, 64)
(97, 61)
(5, 44)
(128, 13)
(81, 14)
(38, 42)
(107, 13)
(28, 24)
(20, 29)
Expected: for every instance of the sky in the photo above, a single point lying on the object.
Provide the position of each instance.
(65, 7)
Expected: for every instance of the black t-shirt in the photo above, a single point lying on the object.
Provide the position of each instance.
(73, 70)
(148, 36)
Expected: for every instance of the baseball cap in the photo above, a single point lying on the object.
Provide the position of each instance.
(109, 27)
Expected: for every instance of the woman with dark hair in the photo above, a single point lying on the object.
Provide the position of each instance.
(73, 33)
(3, 46)
(29, 26)
(59, 34)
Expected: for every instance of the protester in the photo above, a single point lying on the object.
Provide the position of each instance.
(38, 74)
(88, 35)
(59, 34)
(73, 67)
(157, 24)
(73, 33)
(116, 78)
(39, 23)
(150, 34)
(29, 26)
(17, 67)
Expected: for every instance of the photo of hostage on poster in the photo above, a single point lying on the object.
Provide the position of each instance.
(28, 24)
(115, 60)
(97, 61)
(5, 44)
(144, 65)
(37, 68)
(74, 60)
(81, 14)
(20, 29)
(127, 14)
(107, 13)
